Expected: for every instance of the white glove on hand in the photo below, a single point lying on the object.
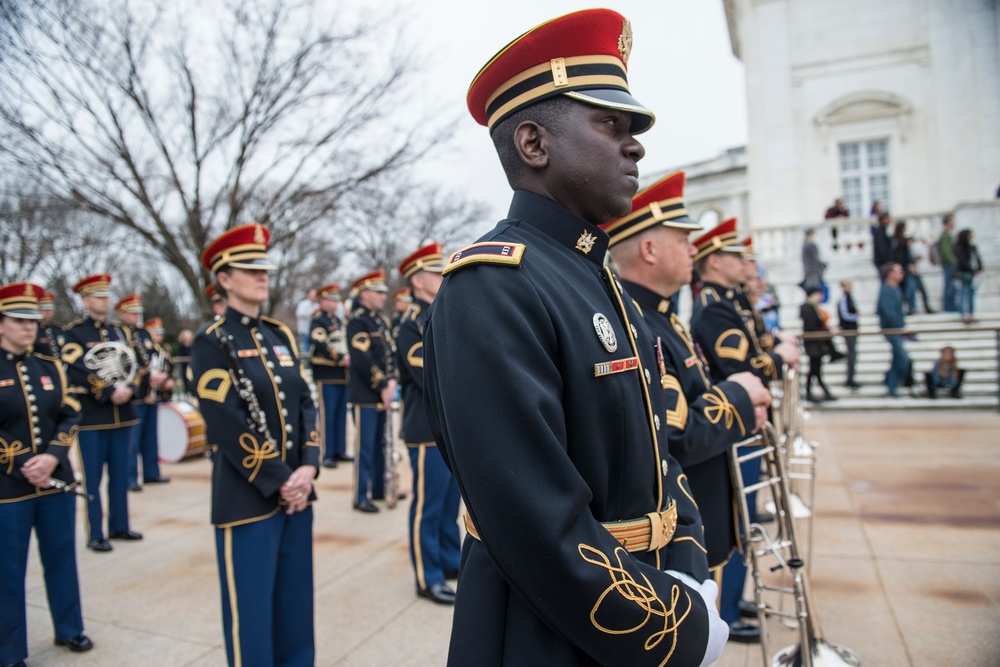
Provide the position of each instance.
(718, 630)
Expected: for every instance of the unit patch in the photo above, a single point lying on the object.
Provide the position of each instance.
(486, 253)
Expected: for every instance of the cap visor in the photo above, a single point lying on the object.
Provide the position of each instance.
(642, 118)
(683, 222)
(23, 314)
(252, 265)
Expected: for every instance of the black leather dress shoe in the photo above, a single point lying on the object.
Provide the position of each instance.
(365, 506)
(329, 463)
(77, 644)
(346, 458)
(747, 609)
(399, 496)
(17, 664)
(451, 574)
(157, 480)
(439, 593)
(134, 487)
(764, 517)
(125, 535)
(99, 545)
(743, 632)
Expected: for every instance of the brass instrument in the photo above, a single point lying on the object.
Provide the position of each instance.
(113, 362)
(336, 342)
(780, 552)
(392, 458)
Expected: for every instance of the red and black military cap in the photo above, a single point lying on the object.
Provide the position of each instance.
(721, 238)
(660, 204)
(131, 303)
(331, 291)
(374, 281)
(20, 300)
(243, 247)
(98, 284)
(428, 258)
(583, 55)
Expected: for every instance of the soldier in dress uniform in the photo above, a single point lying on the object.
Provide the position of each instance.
(108, 415)
(162, 357)
(261, 420)
(51, 336)
(538, 381)
(38, 422)
(149, 380)
(722, 321)
(724, 328)
(401, 300)
(372, 385)
(655, 257)
(331, 367)
(435, 547)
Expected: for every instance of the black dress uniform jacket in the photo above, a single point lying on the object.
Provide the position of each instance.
(50, 340)
(249, 471)
(706, 418)
(324, 354)
(719, 327)
(370, 344)
(37, 416)
(539, 393)
(415, 429)
(94, 393)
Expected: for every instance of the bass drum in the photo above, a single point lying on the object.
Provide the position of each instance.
(180, 431)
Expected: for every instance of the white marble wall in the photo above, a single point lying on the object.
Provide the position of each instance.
(923, 73)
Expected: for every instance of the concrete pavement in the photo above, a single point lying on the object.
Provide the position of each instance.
(905, 565)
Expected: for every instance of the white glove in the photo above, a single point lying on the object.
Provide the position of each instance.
(718, 630)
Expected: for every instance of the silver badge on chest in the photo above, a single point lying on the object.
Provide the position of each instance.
(604, 331)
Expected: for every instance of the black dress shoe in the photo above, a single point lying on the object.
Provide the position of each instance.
(451, 574)
(125, 535)
(439, 593)
(77, 644)
(134, 487)
(743, 632)
(764, 517)
(329, 463)
(346, 458)
(99, 545)
(747, 609)
(365, 506)
(157, 480)
(20, 663)
(399, 496)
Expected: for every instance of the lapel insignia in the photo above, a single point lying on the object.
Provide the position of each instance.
(604, 331)
(586, 242)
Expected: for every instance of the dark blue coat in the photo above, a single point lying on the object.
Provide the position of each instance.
(372, 356)
(708, 418)
(94, 393)
(539, 393)
(33, 394)
(326, 352)
(249, 471)
(415, 429)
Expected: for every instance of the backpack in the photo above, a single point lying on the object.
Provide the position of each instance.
(934, 253)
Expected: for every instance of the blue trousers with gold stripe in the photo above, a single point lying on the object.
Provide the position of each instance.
(97, 448)
(434, 539)
(266, 580)
(370, 458)
(53, 517)
(333, 418)
(143, 444)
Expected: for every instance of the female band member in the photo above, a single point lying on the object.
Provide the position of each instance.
(38, 421)
(261, 420)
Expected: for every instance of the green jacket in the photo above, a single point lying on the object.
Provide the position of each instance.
(946, 249)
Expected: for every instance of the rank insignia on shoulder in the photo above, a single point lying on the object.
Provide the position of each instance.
(486, 253)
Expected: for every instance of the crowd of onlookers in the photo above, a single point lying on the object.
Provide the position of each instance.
(897, 257)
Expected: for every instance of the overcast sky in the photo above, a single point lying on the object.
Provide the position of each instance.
(682, 67)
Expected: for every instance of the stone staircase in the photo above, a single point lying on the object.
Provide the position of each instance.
(975, 348)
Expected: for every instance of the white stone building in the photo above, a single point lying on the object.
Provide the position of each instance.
(894, 100)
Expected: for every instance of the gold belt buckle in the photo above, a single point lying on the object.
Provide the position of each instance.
(662, 526)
